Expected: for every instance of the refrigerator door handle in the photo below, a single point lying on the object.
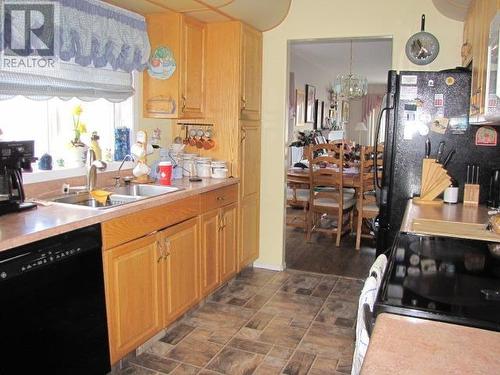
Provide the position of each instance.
(390, 106)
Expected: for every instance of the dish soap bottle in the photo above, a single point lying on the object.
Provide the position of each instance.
(94, 145)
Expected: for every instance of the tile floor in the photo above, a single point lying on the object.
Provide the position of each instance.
(262, 323)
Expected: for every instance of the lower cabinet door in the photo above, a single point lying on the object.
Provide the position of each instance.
(249, 229)
(180, 268)
(229, 242)
(210, 229)
(132, 294)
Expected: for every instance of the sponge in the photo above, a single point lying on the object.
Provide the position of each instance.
(100, 195)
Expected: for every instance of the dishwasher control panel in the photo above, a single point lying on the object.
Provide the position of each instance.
(40, 254)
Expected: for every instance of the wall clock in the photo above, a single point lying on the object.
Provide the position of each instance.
(423, 47)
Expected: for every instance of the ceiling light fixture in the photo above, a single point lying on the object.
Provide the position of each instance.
(351, 86)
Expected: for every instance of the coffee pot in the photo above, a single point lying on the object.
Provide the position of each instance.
(15, 157)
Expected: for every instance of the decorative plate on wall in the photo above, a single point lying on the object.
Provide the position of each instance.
(423, 47)
(162, 63)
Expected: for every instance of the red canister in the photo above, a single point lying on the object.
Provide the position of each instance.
(165, 172)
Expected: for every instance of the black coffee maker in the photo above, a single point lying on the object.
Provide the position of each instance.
(15, 157)
(494, 193)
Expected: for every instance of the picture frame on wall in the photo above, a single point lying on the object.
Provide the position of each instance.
(317, 118)
(322, 122)
(310, 100)
(300, 107)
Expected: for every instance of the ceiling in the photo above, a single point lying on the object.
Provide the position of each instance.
(371, 57)
(261, 14)
(454, 9)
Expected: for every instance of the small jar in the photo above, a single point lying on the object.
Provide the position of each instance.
(219, 169)
(203, 167)
(189, 165)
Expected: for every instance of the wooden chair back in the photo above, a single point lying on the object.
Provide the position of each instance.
(326, 171)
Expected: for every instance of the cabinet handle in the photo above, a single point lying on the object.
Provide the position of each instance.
(243, 103)
(183, 97)
(243, 135)
(220, 198)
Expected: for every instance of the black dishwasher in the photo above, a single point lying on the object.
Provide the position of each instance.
(52, 306)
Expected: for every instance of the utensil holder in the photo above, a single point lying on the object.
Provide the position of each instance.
(471, 194)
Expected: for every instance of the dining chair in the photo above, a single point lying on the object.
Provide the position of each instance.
(327, 195)
(298, 201)
(366, 205)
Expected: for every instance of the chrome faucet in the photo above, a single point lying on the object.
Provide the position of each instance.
(92, 166)
(117, 177)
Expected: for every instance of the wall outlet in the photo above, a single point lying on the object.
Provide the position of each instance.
(65, 188)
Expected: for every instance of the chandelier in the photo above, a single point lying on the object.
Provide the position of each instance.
(351, 86)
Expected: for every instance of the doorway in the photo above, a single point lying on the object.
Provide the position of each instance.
(317, 113)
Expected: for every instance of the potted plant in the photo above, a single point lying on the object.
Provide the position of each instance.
(77, 149)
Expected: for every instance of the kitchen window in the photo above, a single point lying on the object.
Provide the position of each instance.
(50, 124)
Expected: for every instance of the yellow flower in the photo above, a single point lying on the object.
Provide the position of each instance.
(77, 111)
(81, 128)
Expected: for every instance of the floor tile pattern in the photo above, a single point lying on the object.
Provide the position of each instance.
(263, 323)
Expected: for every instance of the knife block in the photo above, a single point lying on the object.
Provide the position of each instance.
(471, 194)
(434, 181)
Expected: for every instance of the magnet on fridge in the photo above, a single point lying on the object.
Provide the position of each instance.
(438, 100)
(430, 83)
(450, 81)
(439, 125)
(458, 125)
(486, 136)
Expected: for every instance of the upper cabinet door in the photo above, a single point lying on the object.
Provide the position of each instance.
(251, 73)
(192, 95)
(174, 83)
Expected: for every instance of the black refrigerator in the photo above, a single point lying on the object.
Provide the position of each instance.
(423, 105)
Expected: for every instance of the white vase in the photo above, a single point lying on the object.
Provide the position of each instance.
(76, 157)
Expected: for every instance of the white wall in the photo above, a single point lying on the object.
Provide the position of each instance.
(331, 19)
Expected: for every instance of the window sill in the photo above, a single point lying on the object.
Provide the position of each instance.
(38, 176)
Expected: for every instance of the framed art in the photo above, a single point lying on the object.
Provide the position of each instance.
(300, 108)
(310, 99)
(317, 117)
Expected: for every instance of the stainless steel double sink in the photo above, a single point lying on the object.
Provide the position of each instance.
(119, 195)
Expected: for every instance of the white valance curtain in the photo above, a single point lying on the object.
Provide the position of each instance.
(99, 46)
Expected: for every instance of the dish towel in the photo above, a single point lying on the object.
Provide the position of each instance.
(368, 295)
(378, 268)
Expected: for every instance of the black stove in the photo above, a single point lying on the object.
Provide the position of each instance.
(441, 278)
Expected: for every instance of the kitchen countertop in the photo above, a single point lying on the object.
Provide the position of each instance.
(452, 220)
(402, 345)
(17, 229)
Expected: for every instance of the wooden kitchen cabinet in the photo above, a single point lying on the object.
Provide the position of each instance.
(250, 158)
(475, 49)
(180, 271)
(132, 294)
(209, 277)
(219, 228)
(249, 230)
(182, 95)
(228, 249)
(251, 73)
